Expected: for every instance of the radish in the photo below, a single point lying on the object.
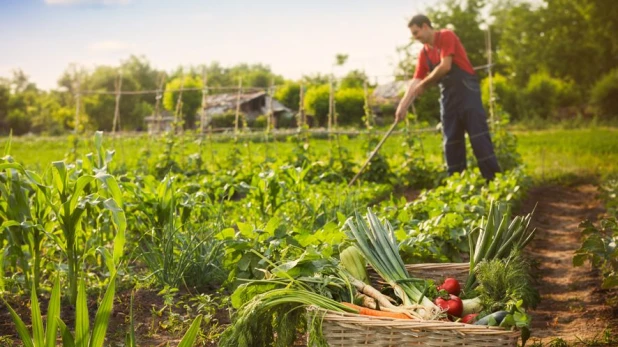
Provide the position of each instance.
(453, 305)
(451, 286)
(469, 318)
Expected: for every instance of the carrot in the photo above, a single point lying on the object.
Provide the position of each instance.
(375, 313)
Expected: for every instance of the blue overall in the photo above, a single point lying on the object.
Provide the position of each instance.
(461, 110)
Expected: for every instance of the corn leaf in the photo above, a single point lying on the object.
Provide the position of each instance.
(82, 322)
(101, 320)
(20, 326)
(38, 335)
(67, 337)
(53, 313)
(189, 339)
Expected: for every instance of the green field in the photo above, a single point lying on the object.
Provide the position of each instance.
(546, 154)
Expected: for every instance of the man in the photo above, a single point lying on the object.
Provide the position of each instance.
(443, 60)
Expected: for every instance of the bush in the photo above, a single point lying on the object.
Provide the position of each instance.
(350, 106)
(286, 122)
(604, 95)
(259, 122)
(545, 94)
(225, 120)
(289, 95)
(316, 103)
(18, 121)
(506, 96)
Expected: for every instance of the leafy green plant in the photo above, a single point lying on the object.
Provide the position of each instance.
(603, 94)
(599, 248)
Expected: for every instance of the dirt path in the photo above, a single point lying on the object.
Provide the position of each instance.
(573, 306)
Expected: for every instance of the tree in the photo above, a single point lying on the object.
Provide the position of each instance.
(289, 95)
(465, 20)
(354, 79)
(5, 95)
(191, 100)
(139, 69)
(315, 79)
(100, 108)
(316, 102)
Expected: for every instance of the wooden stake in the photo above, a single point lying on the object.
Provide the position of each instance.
(76, 130)
(368, 116)
(116, 122)
(330, 106)
(178, 112)
(301, 107)
(157, 120)
(237, 106)
(204, 94)
(270, 120)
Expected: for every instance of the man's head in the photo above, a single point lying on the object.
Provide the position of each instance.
(420, 27)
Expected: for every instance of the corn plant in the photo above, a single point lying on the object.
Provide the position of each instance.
(72, 193)
(25, 217)
(67, 194)
(39, 336)
(84, 336)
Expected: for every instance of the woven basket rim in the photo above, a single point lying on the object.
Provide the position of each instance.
(413, 324)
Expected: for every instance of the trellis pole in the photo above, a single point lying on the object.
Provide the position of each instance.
(331, 106)
(270, 120)
(77, 97)
(118, 85)
(159, 96)
(204, 102)
(178, 112)
(368, 114)
(237, 107)
(301, 107)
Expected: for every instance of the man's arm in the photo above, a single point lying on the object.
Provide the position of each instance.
(402, 109)
(440, 71)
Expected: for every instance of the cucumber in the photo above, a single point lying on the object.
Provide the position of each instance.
(498, 316)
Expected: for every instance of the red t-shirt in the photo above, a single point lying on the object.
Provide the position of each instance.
(445, 43)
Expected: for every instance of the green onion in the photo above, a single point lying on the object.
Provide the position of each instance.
(378, 244)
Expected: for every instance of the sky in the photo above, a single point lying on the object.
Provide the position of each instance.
(295, 38)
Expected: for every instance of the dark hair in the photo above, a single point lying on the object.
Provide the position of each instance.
(419, 20)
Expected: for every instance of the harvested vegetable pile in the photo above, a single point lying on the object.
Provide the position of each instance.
(498, 291)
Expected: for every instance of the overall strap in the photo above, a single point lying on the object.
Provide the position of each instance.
(430, 65)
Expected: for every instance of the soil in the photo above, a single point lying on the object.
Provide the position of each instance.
(573, 306)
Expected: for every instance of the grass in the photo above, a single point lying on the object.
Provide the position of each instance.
(567, 155)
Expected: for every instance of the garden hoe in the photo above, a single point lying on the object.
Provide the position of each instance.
(375, 151)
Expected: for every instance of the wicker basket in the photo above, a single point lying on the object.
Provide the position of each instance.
(345, 329)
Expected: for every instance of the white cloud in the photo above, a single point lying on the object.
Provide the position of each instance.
(109, 46)
(88, 2)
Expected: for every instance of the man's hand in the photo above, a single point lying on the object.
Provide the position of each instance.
(401, 113)
(402, 109)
